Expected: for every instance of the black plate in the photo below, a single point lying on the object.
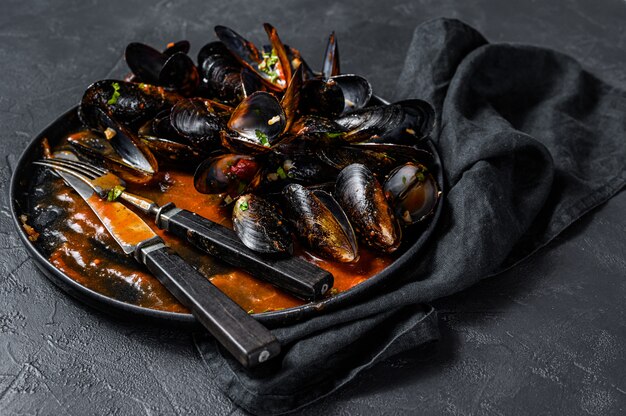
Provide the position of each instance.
(69, 122)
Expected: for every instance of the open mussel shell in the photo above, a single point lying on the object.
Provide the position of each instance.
(199, 121)
(93, 146)
(404, 122)
(173, 70)
(362, 198)
(259, 121)
(321, 223)
(228, 174)
(413, 192)
(249, 56)
(260, 227)
(123, 139)
(283, 66)
(357, 91)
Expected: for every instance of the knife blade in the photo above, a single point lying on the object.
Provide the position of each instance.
(244, 337)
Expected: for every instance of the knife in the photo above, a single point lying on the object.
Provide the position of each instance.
(244, 337)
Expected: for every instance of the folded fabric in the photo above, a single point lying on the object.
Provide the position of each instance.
(529, 142)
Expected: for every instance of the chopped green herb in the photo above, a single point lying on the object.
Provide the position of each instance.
(115, 193)
(404, 180)
(281, 172)
(290, 175)
(333, 135)
(116, 94)
(334, 291)
(420, 176)
(268, 65)
(243, 206)
(262, 138)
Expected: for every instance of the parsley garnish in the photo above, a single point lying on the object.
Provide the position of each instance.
(243, 206)
(116, 94)
(333, 135)
(281, 172)
(404, 180)
(115, 193)
(262, 138)
(268, 65)
(420, 176)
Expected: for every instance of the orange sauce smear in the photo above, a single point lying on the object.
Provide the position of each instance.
(81, 258)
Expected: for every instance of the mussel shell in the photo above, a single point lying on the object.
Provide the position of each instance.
(362, 198)
(180, 74)
(380, 158)
(260, 227)
(296, 60)
(93, 146)
(175, 47)
(169, 146)
(283, 66)
(248, 55)
(404, 122)
(198, 120)
(228, 174)
(320, 223)
(318, 129)
(357, 91)
(133, 103)
(144, 61)
(412, 191)
(291, 99)
(330, 67)
(322, 97)
(259, 121)
(295, 162)
(221, 73)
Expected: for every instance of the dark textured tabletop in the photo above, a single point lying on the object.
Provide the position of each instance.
(546, 338)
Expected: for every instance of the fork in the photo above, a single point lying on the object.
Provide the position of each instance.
(292, 274)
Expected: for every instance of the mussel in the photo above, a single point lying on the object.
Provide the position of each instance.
(260, 227)
(172, 69)
(221, 73)
(412, 191)
(169, 146)
(228, 174)
(403, 122)
(273, 67)
(362, 198)
(199, 120)
(321, 223)
(258, 123)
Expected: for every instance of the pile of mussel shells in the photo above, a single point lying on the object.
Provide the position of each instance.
(291, 151)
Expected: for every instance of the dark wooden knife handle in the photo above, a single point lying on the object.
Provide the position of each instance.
(294, 275)
(242, 335)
